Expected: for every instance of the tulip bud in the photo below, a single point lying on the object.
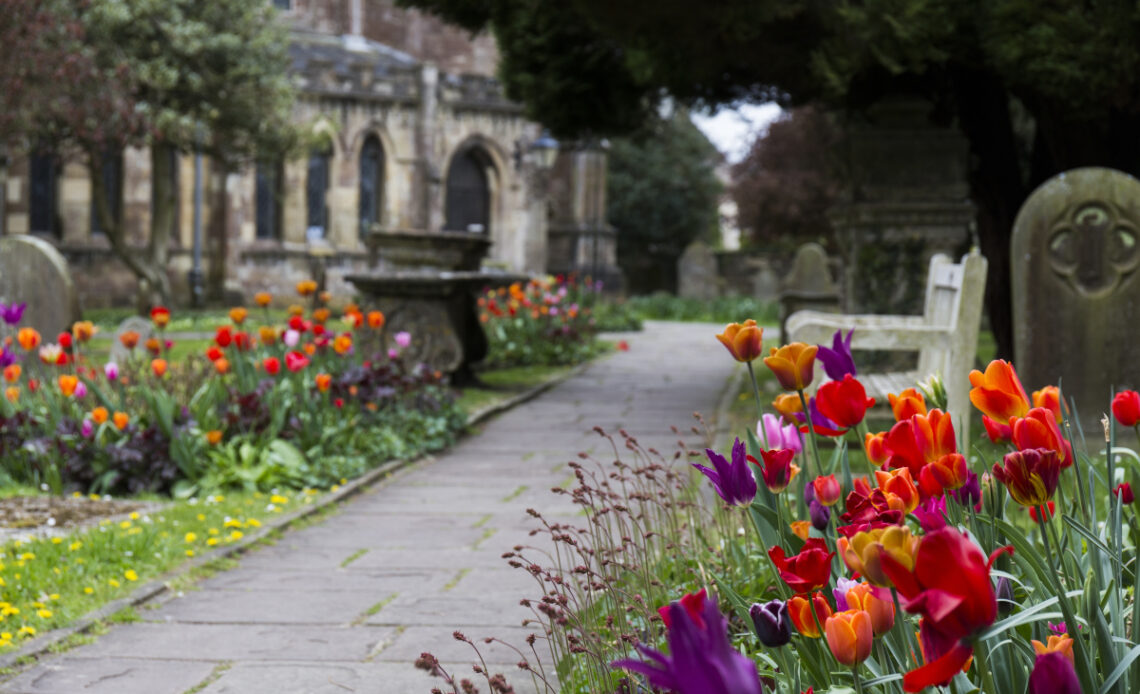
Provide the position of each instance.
(1053, 673)
(772, 623)
(1124, 491)
(827, 490)
(820, 515)
(1004, 596)
(935, 391)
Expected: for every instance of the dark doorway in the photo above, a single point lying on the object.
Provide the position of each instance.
(268, 201)
(316, 192)
(468, 202)
(112, 174)
(43, 172)
(371, 184)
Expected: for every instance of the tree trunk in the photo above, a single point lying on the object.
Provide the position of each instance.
(161, 217)
(995, 186)
(152, 277)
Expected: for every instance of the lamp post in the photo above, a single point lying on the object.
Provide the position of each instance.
(196, 267)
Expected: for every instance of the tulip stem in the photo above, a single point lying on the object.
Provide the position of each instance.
(811, 436)
(759, 408)
(855, 676)
(982, 655)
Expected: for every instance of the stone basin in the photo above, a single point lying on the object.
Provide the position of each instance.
(427, 284)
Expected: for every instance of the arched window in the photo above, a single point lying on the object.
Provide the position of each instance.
(269, 199)
(371, 184)
(43, 172)
(173, 161)
(112, 175)
(316, 191)
(468, 199)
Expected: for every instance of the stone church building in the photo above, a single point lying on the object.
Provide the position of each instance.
(413, 133)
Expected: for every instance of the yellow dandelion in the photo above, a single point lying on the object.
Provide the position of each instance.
(134, 515)
(236, 535)
(88, 590)
(27, 556)
(278, 499)
(191, 537)
(125, 524)
(189, 552)
(113, 583)
(212, 541)
(44, 614)
(213, 531)
(201, 516)
(130, 575)
(253, 523)
(27, 631)
(57, 540)
(75, 546)
(53, 596)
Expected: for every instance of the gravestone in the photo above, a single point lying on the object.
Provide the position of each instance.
(143, 327)
(809, 285)
(697, 275)
(33, 272)
(1076, 292)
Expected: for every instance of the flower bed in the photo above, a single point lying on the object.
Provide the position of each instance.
(267, 405)
(1017, 573)
(545, 322)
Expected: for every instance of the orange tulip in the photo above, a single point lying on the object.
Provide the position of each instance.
(342, 344)
(920, 440)
(907, 404)
(324, 297)
(799, 609)
(28, 338)
(309, 348)
(1038, 429)
(793, 365)
(121, 419)
(267, 334)
(743, 341)
(67, 384)
(998, 392)
(12, 393)
(1049, 397)
(12, 373)
(99, 415)
(320, 315)
(882, 610)
(262, 299)
(153, 345)
(375, 320)
(222, 366)
(788, 405)
(876, 448)
(130, 339)
(296, 310)
(306, 288)
(323, 382)
(1062, 644)
(158, 366)
(160, 315)
(83, 330)
(849, 636)
(862, 553)
(898, 485)
(238, 315)
(801, 529)
(213, 437)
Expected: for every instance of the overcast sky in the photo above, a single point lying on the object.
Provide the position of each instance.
(732, 130)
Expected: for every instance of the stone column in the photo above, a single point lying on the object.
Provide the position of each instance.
(580, 240)
(426, 202)
(907, 199)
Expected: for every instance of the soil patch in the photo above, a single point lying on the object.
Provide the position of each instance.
(29, 513)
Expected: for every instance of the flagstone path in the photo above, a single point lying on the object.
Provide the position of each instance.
(347, 604)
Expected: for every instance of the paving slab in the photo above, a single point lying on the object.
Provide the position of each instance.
(347, 604)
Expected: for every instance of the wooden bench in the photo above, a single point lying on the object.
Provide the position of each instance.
(945, 336)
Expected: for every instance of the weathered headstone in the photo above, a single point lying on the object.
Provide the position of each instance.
(809, 285)
(33, 272)
(142, 327)
(1076, 292)
(697, 276)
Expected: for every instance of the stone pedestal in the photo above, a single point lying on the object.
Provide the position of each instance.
(1076, 291)
(907, 199)
(579, 240)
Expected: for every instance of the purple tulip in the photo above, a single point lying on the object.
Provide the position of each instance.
(969, 494)
(87, 429)
(111, 371)
(772, 623)
(1004, 593)
(733, 481)
(820, 515)
(291, 338)
(779, 436)
(403, 339)
(7, 357)
(842, 585)
(12, 313)
(80, 390)
(1053, 674)
(393, 353)
(701, 659)
(931, 514)
(837, 360)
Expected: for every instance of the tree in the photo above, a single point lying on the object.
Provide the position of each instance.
(185, 75)
(663, 193)
(1068, 69)
(789, 179)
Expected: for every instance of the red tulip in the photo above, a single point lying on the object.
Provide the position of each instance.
(243, 341)
(1126, 408)
(948, 472)
(806, 571)
(777, 468)
(224, 336)
(1039, 429)
(1049, 397)
(844, 402)
(1031, 475)
(827, 490)
(1124, 491)
(1036, 517)
(295, 361)
(950, 587)
(920, 440)
(875, 445)
(272, 365)
(996, 431)
(214, 354)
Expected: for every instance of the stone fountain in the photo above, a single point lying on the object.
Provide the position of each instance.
(427, 283)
